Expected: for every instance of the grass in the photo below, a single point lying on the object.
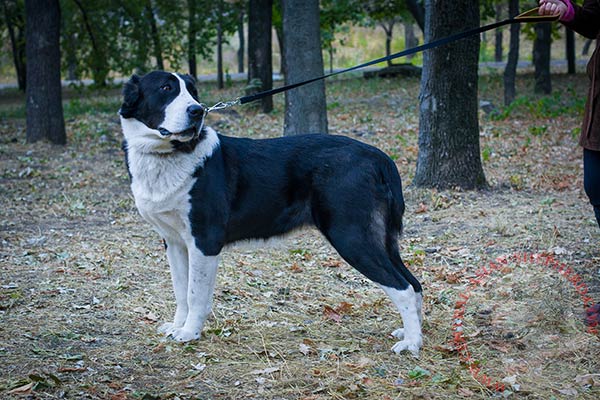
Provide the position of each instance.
(84, 281)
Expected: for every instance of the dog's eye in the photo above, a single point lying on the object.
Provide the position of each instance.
(166, 87)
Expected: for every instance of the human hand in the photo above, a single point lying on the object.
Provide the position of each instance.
(552, 7)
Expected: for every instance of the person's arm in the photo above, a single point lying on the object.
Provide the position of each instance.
(585, 19)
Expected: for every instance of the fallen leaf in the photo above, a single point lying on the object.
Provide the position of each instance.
(588, 379)
(465, 392)
(296, 268)
(25, 389)
(304, 349)
(344, 308)
(422, 209)
(332, 263)
(569, 391)
(331, 314)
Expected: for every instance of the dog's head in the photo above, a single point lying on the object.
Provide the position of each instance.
(160, 111)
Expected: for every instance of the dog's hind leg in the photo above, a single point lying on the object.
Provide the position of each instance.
(177, 255)
(392, 249)
(369, 257)
(408, 302)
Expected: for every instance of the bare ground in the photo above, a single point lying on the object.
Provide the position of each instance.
(84, 281)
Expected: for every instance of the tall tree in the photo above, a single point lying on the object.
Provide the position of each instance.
(219, 18)
(449, 153)
(386, 14)
(334, 15)
(241, 37)
(260, 65)
(418, 12)
(541, 57)
(570, 50)
(510, 70)
(305, 107)
(498, 34)
(98, 57)
(192, 33)
(44, 98)
(156, 41)
(14, 17)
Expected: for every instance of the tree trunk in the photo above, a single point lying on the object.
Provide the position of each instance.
(417, 11)
(260, 64)
(99, 60)
(155, 36)
(541, 58)
(305, 107)
(44, 98)
(570, 50)
(220, 81)
(279, 35)
(240, 52)
(449, 154)
(15, 23)
(389, 31)
(410, 40)
(510, 71)
(499, 35)
(192, 32)
(586, 47)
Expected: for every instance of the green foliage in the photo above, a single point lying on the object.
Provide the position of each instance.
(333, 14)
(559, 103)
(100, 37)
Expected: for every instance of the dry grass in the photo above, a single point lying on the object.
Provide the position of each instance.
(84, 281)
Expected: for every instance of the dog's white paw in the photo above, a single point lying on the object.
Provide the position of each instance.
(167, 328)
(408, 345)
(184, 335)
(398, 333)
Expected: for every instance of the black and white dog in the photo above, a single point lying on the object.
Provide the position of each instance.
(201, 190)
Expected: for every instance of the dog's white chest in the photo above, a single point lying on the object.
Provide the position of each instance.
(161, 190)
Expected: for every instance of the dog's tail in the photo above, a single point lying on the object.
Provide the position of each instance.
(391, 177)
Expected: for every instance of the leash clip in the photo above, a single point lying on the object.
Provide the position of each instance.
(222, 105)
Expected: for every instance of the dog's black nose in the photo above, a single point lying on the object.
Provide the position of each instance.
(195, 111)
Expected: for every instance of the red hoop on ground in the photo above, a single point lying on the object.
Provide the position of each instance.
(459, 342)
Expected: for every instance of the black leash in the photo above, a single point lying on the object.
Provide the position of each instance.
(528, 16)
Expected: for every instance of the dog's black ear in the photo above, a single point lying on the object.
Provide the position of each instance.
(131, 95)
(190, 83)
(187, 78)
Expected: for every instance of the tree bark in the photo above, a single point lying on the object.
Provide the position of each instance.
(510, 71)
(98, 61)
(449, 153)
(151, 18)
(586, 47)
(541, 58)
(410, 39)
(44, 97)
(241, 49)
(220, 81)
(192, 32)
(16, 25)
(570, 51)
(418, 12)
(498, 50)
(388, 28)
(305, 107)
(260, 64)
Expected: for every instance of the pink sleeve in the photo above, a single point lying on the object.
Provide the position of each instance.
(568, 16)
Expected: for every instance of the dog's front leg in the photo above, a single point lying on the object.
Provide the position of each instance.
(177, 255)
(201, 282)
